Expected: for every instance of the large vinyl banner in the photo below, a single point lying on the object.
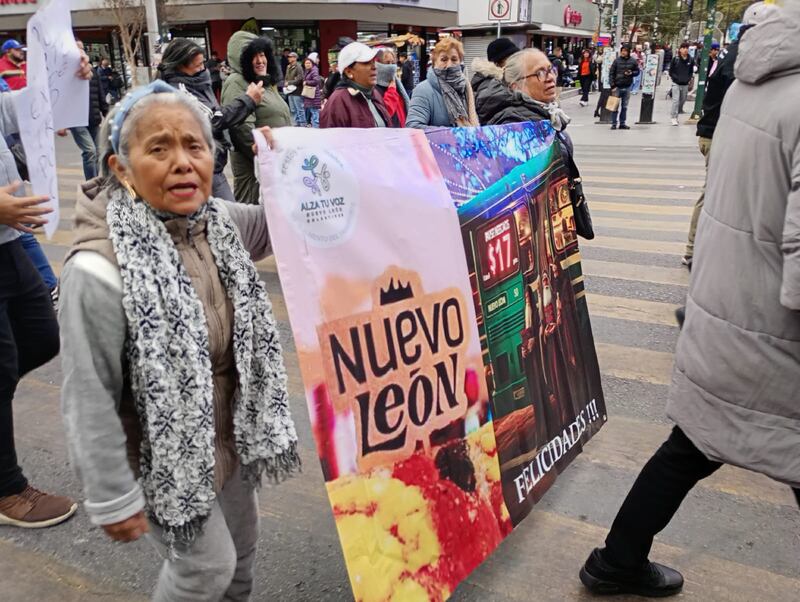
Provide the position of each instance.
(435, 294)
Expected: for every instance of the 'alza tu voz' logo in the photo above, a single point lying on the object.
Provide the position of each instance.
(319, 179)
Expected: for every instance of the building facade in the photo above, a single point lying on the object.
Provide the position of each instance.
(543, 24)
(303, 26)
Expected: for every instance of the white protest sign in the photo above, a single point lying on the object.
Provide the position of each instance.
(35, 120)
(51, 29)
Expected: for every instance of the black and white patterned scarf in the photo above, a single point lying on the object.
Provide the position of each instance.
(170, 366)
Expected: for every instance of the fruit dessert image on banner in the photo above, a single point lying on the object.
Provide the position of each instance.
(411, 355)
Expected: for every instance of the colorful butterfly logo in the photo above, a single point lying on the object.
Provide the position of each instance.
(319, 180)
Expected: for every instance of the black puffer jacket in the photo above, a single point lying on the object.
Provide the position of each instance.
(681, 70)
(222, 118)
(491, 94)
(622, 72)
(98, 107)
(517, 108)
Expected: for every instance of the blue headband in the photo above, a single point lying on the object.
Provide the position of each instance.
(131, 98)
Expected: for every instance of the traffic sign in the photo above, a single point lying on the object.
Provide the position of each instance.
(499, 10)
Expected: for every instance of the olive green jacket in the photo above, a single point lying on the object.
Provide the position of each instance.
(272, 111)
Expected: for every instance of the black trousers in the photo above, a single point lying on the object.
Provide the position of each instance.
(28, 339)
(586, 86)
(655, 497)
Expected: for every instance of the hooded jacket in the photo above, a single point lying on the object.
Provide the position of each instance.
(681, 70)
(623, 71)
(222, 117)
(736, 384)
(272, 111)
(103, 428)
(491, 94)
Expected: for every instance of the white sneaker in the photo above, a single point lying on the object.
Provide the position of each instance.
(674, 121)
(583, 104)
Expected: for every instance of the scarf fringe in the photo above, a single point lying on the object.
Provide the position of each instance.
(273, 470)
(182, 537)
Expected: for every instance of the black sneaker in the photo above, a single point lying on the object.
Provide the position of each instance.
(624, 127)
(652, 580)
(614, 127)
(680, 316)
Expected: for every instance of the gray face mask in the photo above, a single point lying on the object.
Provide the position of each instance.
(386, 73)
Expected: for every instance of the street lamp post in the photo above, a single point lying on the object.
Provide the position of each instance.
(701, 81)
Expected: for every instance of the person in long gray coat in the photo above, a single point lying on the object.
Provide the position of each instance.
(735, 394)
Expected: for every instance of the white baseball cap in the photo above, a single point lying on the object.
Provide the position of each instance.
(355, 52)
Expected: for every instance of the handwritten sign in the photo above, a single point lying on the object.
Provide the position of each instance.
(54, 98)
(51, 29)
(35, 120)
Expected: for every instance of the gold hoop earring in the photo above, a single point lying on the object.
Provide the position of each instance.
(129, 188)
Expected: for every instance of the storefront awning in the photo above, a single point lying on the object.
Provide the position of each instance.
(567, 32)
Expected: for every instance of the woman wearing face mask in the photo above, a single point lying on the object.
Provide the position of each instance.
(252, 60)
(445, 98)
(174, 396)
(183, 67)
(391, 88)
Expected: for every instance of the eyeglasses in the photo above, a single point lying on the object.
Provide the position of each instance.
(541, 74)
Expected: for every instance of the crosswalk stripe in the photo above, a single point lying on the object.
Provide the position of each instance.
(645, 182)
(651, 170)
(634, 363)
(626, 443)
(634, 208)
(642, 273)
(563, 539)
(654, 224)
(636, 245)
(636, 310)
(640, 193)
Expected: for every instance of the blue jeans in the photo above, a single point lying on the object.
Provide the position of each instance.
(624, 96)
(637, 82)
(296, 107)
(35, 253)
(312, 115)
(85, 138)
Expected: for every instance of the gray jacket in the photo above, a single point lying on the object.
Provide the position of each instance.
(736, 385)
(103, 429)
(8, 168)
(427, 105)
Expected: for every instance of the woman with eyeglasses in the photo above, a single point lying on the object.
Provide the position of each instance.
(445, 99)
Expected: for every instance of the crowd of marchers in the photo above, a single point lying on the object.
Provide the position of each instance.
(174, 393)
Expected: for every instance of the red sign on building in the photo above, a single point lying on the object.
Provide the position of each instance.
(572, 16)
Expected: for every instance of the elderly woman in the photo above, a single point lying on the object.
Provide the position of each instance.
(445, 98)
(252, 60)
(391, 89)
(174, 393)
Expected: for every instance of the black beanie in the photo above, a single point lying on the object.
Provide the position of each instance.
(500, 49)
(178, 52)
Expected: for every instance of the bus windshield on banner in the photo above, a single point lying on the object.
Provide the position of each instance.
(438, 310)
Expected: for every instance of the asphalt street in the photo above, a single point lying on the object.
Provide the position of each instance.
(736, 538)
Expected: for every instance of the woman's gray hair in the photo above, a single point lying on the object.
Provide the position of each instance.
(140, 110)
(515, 65)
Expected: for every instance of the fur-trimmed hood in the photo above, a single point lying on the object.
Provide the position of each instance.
(491, 94)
